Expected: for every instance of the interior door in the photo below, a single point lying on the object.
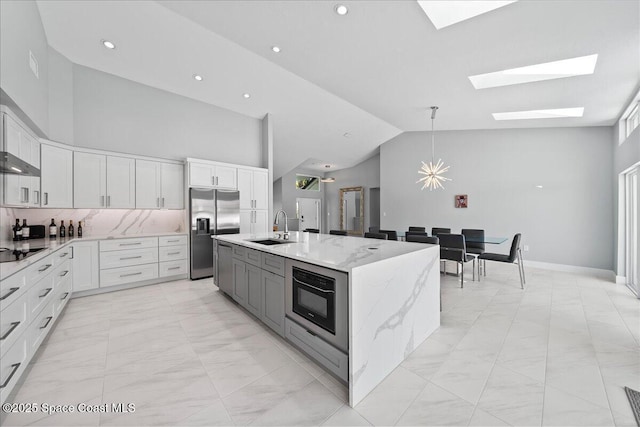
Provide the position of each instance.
(308, 213)
(632, 197)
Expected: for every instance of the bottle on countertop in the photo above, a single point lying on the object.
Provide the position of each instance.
(63, 230)
(79, 228)
(70, 229)
(53, 230)
(17, 231)
(25, 230)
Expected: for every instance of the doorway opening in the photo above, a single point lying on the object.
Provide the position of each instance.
(309, 213)
(374, 207)
(631, 195)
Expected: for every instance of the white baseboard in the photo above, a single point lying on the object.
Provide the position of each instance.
(621, 280)
(598, 272)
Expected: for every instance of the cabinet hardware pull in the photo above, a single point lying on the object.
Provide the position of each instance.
(173, 253)
(11, 329)
(101, 200)
(44, 268)
(14, 368)
(64, 254)
(173, 268)
(64, 296)
(46, 293)
(64, 273)
(171, 241)
(46, 198)
(36, 196)
(158, 201)
(8, 294)
(24, 197)
(162, 201)
(130, 244)
(130, 257)
(108, 201)
(46, 324)
(131, 274)
(314, 287)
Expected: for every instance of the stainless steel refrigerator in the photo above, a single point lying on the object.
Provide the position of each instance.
(212, 212)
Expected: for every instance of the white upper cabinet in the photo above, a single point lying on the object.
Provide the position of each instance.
(254, 188)
(21, 190)
(56, 172)
(101, 181)
(159, 185)
(212, 175)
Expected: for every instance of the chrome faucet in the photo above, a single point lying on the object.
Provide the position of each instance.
(285, 236)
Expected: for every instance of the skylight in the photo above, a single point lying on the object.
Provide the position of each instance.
(579, 66)
(556, 113)
(449, 12)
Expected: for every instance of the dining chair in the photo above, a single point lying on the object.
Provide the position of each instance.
(312, 230)
(391, 234)
(415, 233)
(419, 238)
(381, 236)
(437, 230)
(453, 248)
(514, 257)
(422, 229)
(338, 232)
(476, 247)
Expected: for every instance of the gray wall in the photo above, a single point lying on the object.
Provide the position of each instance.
(569, 221)
(365, 174)
(60, 98)
(121, 115)
(21, 31)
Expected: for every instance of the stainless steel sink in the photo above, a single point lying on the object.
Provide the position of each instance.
(270, 242)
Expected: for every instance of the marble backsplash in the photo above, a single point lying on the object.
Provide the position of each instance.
(120, 222)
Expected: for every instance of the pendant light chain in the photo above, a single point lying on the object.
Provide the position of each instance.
(433, 172)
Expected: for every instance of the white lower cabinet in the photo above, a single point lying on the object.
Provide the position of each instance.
(123, 275)
(12, 364)
(86, 266)
(172, 268)
(12, 323)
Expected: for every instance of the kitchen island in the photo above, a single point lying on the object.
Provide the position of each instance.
(393, 297)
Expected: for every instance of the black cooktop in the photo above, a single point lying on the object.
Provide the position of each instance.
(8, 255)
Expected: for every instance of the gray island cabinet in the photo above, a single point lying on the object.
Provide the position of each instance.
(357, 306)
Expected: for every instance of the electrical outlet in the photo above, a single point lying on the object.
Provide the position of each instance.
(526, 248)
(33, 64)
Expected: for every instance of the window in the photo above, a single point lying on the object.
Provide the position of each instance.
(633, 120)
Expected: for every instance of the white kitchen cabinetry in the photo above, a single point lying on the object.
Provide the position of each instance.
(159, 185)
(254, 221)
(21, 190)
(253, 185)
(86, 267)
(56, 173)
(128, 260)
(212, 175)
(103, 181)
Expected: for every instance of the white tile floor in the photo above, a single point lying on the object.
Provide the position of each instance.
(558, 353)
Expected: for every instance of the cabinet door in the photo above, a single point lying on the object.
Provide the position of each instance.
(273, 301)
(254, 290)
(147, 184)
(246, 221)
(260, 190)
(200, 175)
(260, 222)
(240, 290)
(245, 178)
(86, 272)
(89, 180)
(56, 171)
(226, 177)
(121, 182)
(14, 193)
(172, 185)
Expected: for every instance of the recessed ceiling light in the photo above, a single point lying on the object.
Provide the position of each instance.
(556, 113)
(246, 95)
(108, 44)
(341, 9)
(579, 66)
(276, 49)
(449, 12)
(538, 186)
(198, 77)
(327, 166)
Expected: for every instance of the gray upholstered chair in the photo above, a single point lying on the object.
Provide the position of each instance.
(391, 234)
(437, 230)
(381, 236)
(422, 239)
(453, 248)
(514, 257)
(338, 232)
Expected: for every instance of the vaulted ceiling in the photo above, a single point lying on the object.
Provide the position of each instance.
(369, 74)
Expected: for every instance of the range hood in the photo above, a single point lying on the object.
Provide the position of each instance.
(11, 164)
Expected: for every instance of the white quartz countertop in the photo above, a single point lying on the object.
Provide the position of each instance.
(51, 245)
(341, 253)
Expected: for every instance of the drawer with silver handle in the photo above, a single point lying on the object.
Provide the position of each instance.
(119, 244)
(173, 268)
(12, 364)
(238, 252)
(40, 327)
(11, 289)
(273, 263)
(124, 258)
(63, 294)
(62, 273)
(120, 276)
(41, 268)
(172, 241)
(39, 295)
(253, 257)
(172, 253)
(13, 321)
